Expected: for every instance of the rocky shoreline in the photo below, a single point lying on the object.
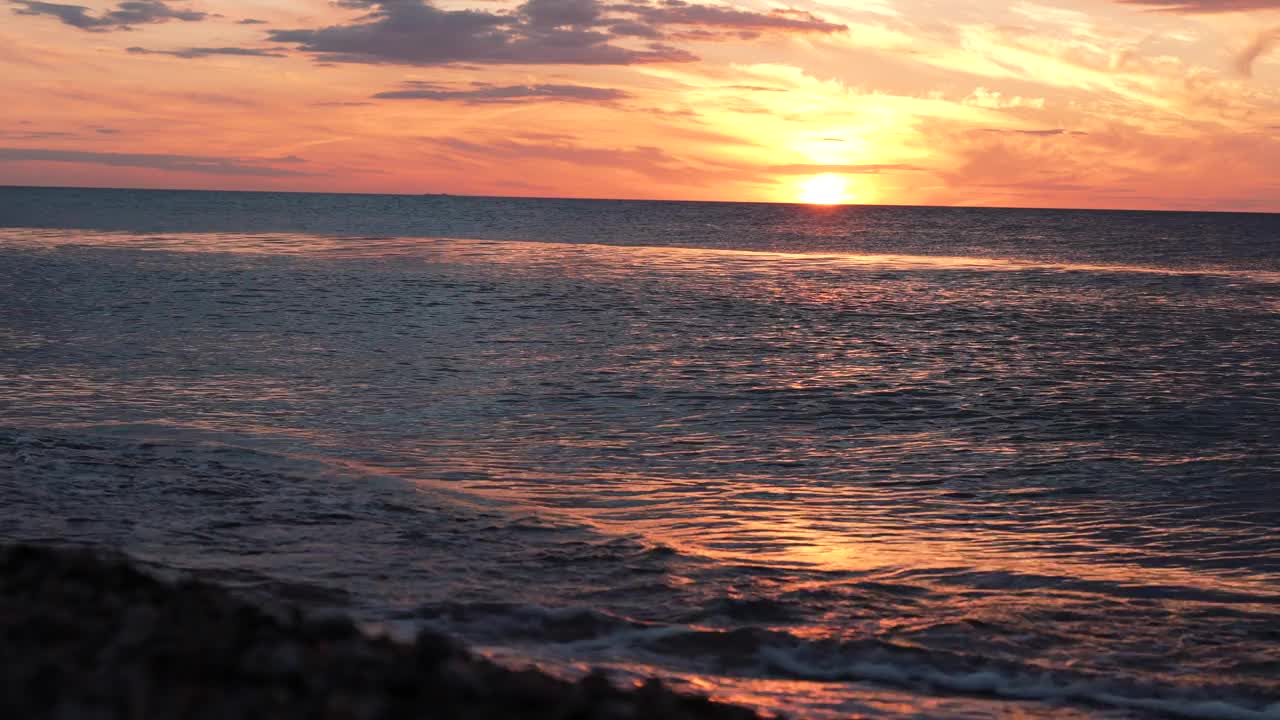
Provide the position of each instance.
(86, 634)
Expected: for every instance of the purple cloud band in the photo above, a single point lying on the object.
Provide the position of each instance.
(203, 52)
(154, 161)
(505, 94)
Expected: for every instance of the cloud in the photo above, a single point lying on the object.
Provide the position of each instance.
(1100, 168)
(505, 94)
(564, 32)
(126, 15)
(178, 163)
(251, 21)
(550, 14)
(1205, 6)
(413, 32)
(677, 12)
(202, 52)
(1261, 44)
(617, 166)
(640, 158)
(538, 149)
(36, 134)
(629, 28)
(208, 98)
(808, 169)
(1034, 133)
(522, 185)
(995, 100)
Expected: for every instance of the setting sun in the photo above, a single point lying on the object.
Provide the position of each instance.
(825, 189)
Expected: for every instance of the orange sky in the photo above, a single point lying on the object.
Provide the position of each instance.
(1166, 104)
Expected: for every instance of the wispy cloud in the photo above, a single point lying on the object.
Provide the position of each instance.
(1261, 44)
(505, 94)
(742, 23)
(1034, 133)
(124, 17)
(155, 161)
(868, 169)
(35, 134)
(648, 161)
(994, 99)
(1205, 6)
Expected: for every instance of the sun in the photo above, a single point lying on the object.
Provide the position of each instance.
(825, 189)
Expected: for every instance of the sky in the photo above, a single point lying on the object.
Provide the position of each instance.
(1151, 104)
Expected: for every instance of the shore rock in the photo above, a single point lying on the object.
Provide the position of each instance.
(84, 634)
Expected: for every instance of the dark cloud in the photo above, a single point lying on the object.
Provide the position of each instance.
(179, 163)
(1205, 6)
(551, 14)
(202, 52)
(506, 94)
(251, 21)
(342, 103)
(577, 32)
(124, 17)
(413, 32)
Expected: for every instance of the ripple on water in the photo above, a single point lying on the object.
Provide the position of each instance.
(1022, 481)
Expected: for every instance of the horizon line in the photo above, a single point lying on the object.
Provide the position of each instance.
(638, 200)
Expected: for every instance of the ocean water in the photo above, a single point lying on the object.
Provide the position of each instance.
(838, 462)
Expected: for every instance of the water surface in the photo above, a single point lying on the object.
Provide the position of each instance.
(886, 462)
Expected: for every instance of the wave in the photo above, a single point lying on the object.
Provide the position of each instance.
(664, 258)
(776, 654)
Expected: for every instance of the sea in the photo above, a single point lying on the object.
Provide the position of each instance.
(833, 462)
